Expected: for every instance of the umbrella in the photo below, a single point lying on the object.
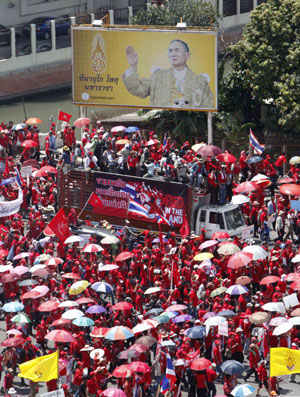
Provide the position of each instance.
(37, 267)
(122, 141)
(228, 248)
(21, 318)
(92, 248)
(68, 304)
(259, 318)
(237, 290)
(22, 255)
(282, 328)
(296, 285)
(232, 367)
(176, 308)
(60, 335)
(61, 322)
(41, 272)
(242, 390)
(258, 252)
(107, 268)
(132, 129)
(292, 277)
(152, 142)
(203, 256)
(99, 332)
(240, 199)
(255, 159)
(208, 244)
(83, 300)
(155, 311)
(14, 332)
(118, 128)
(274, 307)
(215, 321)
(83, 322)
(290, 189)
(220, 235)
(196, 332)
(226, 158)
(123, 306)
(197, 146)
(259, 177)
(110, 240)
(293, 321)
(122, 371)
(200, 364)
(139, 366)
(96, 309)
(146, 340)
(119, 333)
(182, 318)
(78, 287)
(72, 314)
(243, 280)
(269, 280)
(53, 262)
(144, 326)
(296, 258)
(226, 313)
(101, 286)
(218, 291)
(96, 354)
(41, 289)
(209, 151)
(13, 307)
(18, 127)
(278, 321)
(31, 295)
(73, 239)
(9, 278)
(246, 187)
(13, 342)
(27, 283)
(28, 144)
(73, 276)
(168, 343)
(239, 259)
(162, 319)
(295, 160)
(45, 171)
(6, 268)
(112, 392)
(20, 270)
(123, 256)
(152, 290)
(81, 122)
(285, 179)
(210, 314)
(296, 312)
(138, 348)
(48, 306)
(33, 120)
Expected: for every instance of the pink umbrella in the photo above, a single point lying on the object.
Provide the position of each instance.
(59, 335)
(91, 248)
(118, 128)
(44, 171)
(239, 259)
(207, 244)
(22, 255)
(41, 289)
(246, 187)
(48, 306)
(112, 392)
(20, 270)
(209, 151)
(292, 277)
(152, 142)
(176, 308)
(81, 122)
(15, 332)
(29, 144)
(44, 272)
(53, 261)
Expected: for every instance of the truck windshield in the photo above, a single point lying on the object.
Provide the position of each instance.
(234, 219)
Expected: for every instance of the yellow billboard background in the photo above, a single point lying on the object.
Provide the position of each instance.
(97, 80)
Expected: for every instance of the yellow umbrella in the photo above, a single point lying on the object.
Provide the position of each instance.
(204, 255)
(197, 146)
(78, 287)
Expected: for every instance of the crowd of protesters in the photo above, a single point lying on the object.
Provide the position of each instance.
(167, 265)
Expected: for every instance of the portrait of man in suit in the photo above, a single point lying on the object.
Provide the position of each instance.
(175, 87)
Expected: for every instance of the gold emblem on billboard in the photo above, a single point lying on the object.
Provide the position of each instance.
(98, 57)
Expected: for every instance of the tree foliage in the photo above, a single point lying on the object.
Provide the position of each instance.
(265, 67)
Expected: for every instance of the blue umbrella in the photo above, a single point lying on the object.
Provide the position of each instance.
(101, 286)
(232, 367)
(227, 313)
(132, 129)
(195, 332)
(96, 309)
(243, 390)
(18, 127)
(83, 322)
(155, 311)
(182, 318)
(13, 306)
(255, 159)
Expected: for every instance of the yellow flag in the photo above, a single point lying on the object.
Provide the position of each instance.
(284, 361)
(41, 369)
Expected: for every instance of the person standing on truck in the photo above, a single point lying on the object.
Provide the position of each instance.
(213, 187)
(222, 185)
(244, 166)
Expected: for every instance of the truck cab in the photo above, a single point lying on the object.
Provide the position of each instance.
(225, 218)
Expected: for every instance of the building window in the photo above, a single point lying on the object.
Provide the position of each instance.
(246, 6)
(229, 8)
(260, 2)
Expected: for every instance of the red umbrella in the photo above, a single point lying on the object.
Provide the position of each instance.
(122, 371)
(220, 235)
(296, 285)
(200, 364)
(269, 280)
(123, 256)
(48, 306)
(209, 151)
(292, 277)
(30, 295)
(45, 171)
(58, 335)
(83, 301)
(3, 253)
(243, 280)
(12, 342)
(239, 259)
(72, 276)
(285, 179)
(123, 306)
(246, 187)
(99, 332)
(139, 366)
(296, 312)
(152, 142)
(53, 261)
(9, 278)
(226, 158)
(43, 272)
(81, 122)
(290, 189)
(146, 340)
(138, 347)
(60, 322)
(29, 144)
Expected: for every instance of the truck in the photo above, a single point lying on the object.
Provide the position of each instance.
(169, 204)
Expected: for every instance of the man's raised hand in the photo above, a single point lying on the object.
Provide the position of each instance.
(132, 56)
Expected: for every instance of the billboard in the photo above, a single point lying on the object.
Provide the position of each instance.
(145, 68)
(160, 198)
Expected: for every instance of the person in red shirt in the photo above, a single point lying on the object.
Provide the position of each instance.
(262, 377)
(211, 376)
(279, 164)
(253, 362)
(132, 163)
(201, 383)
(244, 166)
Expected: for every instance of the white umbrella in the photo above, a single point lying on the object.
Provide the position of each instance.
(282, 329)
(107, 268)
(72, 314)
(92, 248)
(294, 320)
(97, 354)
(296, 258)
(278, 321)
(240, 199)
(258, 252)
(259, 177)
(274, 307)
(144, 326)
(214, 321)
(110, 240)
(152, 290)
(36, 267)
(68, 304)
(6, 268)
(73, 239)
(243, 390)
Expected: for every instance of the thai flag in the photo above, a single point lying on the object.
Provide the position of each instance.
(165, 142)
(120, 232)
(170, 372)
(137, 209)
(258, 147)
(162, 220)
(131, 190)
(11, 254)
(165, 385)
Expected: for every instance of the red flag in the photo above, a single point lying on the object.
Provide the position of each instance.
(185, 229)
(64, 116)
(6, 168)
(176, 275)
(60, 225)
(94, 200)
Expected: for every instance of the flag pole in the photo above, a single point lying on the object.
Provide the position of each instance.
(57, 120)
(84, 206)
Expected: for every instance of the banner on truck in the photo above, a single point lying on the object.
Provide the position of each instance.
(145, 68)
(163, 198)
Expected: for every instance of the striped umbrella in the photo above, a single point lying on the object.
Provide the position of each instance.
(92, 248)
(78, 287)
(237, 290)
(101, 286)
(21, 318)
(99, 332)
(119, 333)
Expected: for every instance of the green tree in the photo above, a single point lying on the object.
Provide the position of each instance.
(265, 68)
